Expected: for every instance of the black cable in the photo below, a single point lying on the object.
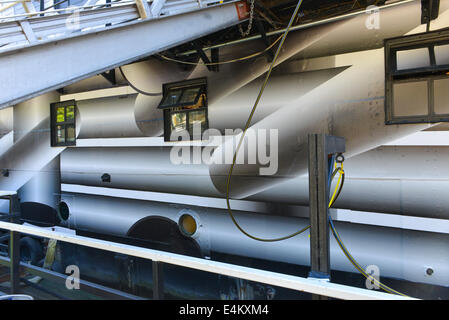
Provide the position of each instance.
(248, 122)
(138, 90)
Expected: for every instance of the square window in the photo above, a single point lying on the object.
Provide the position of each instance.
(63, 126)
(416, 78)
(185, 108)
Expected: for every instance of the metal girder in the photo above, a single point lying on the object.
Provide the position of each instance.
(60, 62)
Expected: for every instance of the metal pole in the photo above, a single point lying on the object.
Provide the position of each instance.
(107, 6)
(318, 195)
(158, 281)
(14, 249)
(321, 148)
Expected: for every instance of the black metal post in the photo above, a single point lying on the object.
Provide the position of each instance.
(14, 248)
(321, 148)
(42, 7)
(107, 6)
(158, 281)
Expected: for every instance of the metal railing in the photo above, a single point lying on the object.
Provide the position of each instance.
(313, 286)
(30, 28)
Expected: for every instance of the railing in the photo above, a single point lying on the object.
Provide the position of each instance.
(313, 286)
(49, 25)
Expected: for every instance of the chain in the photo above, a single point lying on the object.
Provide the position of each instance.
(250, 22)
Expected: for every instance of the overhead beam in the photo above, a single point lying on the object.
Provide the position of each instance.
(96, 52)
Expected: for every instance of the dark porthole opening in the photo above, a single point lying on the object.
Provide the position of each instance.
(63, 211)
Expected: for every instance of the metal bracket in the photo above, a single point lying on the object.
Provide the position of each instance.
(110, 76)
(429, 11)
(203, 56)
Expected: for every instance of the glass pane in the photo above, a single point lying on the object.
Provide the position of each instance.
(190, 95)
(197, 122)
(70, 113)
(70, 133)
(60, 135)
(411, 59)
(441, 96)
(172, 97)
(60, 115)
(178, 121)
(410, 99)
(442, 54)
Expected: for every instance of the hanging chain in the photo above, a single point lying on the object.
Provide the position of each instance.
(250, 22)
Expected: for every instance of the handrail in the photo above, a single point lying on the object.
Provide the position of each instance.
(69, 9)
(30, 24)
(14, 3)
(313, 286)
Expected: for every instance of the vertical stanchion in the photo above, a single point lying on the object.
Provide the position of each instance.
(321, 149)
(41, 6)
(158, 281)
(107, 6)
(14, 248)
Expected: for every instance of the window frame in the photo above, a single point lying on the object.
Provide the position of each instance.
(427, 74)
(168, 110)
(65, 123)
